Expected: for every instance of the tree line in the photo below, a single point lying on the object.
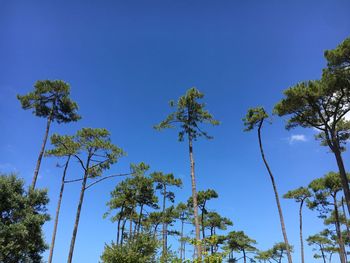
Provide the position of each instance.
(143, 204)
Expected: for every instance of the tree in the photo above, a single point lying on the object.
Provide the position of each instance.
(64, 147)
(239, 241)
(300, 195)
(255, 118)
(325, 194)
(184, 215)
(50, 99)
(93, 145)
(22, 215)
(323, 104)
(325, 245)
(202, 198)
(214, 221)
(163, 182)
(188, 116)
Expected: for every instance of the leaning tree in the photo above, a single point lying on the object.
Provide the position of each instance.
(189, 115)
(50, 100)
(255, 118)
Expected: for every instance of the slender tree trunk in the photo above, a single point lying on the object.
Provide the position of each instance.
(211, 246)
(182, 241)
(58, 211)
(342, 172)
(164, 232)
(195, 203)
(119, 219)
(284, 232)
(123, 229)
(130, 227)
(323, 255)
(244, 256)
(338, 230)
(346, 218)
(41, 154)
(202, 222)
(301, 231)
(77, 217)
(139, 221)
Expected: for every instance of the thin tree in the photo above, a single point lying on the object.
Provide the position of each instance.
(239, 241)
(64, 147)
(188, 116)
(94, 145)
(163, 183)
(325, 245)
(300, 195)
(255, 118)
(50, 99)
(323, 104)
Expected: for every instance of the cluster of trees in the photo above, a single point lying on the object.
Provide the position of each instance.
(143, 206)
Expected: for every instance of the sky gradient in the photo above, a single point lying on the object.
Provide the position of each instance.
(125, 60)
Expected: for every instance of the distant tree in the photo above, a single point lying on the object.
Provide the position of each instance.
(239, 241)
(214, 221)
(22, 215)
(64, 147)
(184, 213)
(323, 104)
(325, 191)
(163, 183)
(255, 118)
(93, 145)
(325, 245)
(300, 195)
(50, 99)
(202, 198)
(189, 115)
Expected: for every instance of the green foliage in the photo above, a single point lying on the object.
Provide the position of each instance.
(324, 243)
(340, 56)
(276, 253)
(50, 98)
(299, 195)
(188, 115)
(239, 241)
(254, 118)
(202, 198)
(22, 214)
(142, 248)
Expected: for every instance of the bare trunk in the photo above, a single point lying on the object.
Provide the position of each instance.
(182, 241)
(323, 256)
(77, 217)
(338, 230)
(164, 232)
(301, 231)
(244, 256)
(58, 211)
(195, 203)
(123, 228)
(119, 220)
(346, 219)
(41, 154)
(342, 172)
(284, 232)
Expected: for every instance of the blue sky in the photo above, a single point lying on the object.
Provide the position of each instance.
(125, 60)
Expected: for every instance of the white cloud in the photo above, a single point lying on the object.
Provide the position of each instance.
(297, 138)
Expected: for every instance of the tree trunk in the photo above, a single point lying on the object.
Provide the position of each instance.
(182, 241)
(284, 232)
(323, 256)
(77, 217)
(119, 219)
(58, 211)
(346, 218)
(164, 231)
(338, 230)
(244, 256)
(342, 172)
(123, 231)
(301, 231)
(195, 203)
(139, 221)
(40, 157)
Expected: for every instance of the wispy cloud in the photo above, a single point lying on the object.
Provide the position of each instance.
(297, 138)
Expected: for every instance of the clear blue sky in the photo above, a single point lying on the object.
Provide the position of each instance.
(125, 60)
